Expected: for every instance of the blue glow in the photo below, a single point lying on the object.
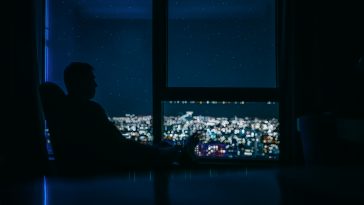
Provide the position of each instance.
(46, 67)
(45, 129)
(48, 144)
(46, 64)
(46, 13)
(45, 191)
(46, 36)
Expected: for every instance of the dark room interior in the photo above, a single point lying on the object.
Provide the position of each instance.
(300, 74)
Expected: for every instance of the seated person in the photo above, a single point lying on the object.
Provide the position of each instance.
(91, 140)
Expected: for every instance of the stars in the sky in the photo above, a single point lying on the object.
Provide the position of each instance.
(207, 39)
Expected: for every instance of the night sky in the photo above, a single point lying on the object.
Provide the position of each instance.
(212, 43)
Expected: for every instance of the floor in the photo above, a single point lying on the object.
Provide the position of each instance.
(290, 185)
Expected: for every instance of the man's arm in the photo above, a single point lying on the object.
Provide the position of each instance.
(107, 128)
(118, 144)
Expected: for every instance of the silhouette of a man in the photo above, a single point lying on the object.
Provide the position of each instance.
(90, 136)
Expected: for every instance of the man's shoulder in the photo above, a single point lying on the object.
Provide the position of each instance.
(95, 105)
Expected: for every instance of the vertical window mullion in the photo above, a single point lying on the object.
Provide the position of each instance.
(159, 49)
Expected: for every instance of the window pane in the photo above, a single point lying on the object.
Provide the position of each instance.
(221, 43)
(115, 37)
(248, 130)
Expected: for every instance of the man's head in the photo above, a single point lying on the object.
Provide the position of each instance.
(80, 80)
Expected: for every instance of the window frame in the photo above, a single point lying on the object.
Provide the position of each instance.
(161, 91)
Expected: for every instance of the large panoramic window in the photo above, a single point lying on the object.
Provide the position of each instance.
(221, 43)
(116, 38)
(168, 68)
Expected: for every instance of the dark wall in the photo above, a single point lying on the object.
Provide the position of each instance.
(23, 147)
(329, 39)
(327, 43)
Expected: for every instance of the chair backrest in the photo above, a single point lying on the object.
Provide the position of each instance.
(51, 97)
(53, 103)
(57, 114)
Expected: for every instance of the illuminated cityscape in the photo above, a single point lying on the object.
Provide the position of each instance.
(221, 137)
